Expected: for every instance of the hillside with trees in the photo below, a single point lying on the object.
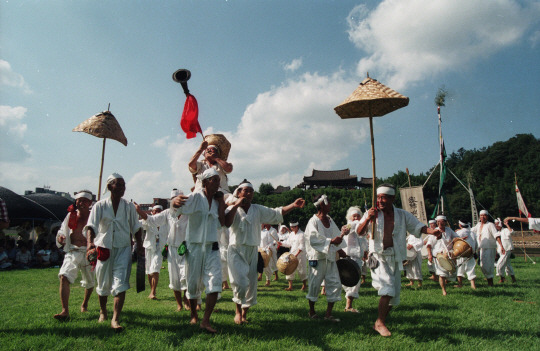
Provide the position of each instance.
(490, 171)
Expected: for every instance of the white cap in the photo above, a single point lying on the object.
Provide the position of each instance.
(110, 180)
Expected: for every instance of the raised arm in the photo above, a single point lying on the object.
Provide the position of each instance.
(193, 162)
(298, 203)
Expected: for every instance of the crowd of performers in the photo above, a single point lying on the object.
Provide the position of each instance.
(211, 237)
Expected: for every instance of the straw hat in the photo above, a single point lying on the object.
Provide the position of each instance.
(371, 99)
(221, 142)
(265, 256)
(103, 125)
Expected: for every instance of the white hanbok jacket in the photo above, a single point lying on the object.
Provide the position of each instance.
(66, 231)
(113, 231)
(318, 245)
(203, 222)
(246, 227)
(487, 238)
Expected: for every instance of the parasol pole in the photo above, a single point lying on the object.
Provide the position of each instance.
(101, 170)
(374, 197)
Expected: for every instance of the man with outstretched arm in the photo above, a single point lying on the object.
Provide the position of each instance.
(387, 248)
(244, 219)
(110, 226)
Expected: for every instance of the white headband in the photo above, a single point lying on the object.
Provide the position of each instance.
(85, 194)
(441, 217)
(322, 199)
(463, 224)
(294, 224)
(209, 173)
(386, 190)
(157, 207)
(175, 192)
(240, 186)
(110, 180)
(498, 220)
(283, 226)
(484, 212)
(432, 221)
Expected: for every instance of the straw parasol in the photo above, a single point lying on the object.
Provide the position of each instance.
(371, 99)
(102, 125)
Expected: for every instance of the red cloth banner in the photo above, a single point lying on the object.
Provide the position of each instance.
(190, 117)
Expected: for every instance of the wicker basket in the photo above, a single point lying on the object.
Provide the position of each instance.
(287, 263)
(221, 142)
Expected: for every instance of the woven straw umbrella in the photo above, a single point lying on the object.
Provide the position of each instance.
(102, 125)
(371, 99)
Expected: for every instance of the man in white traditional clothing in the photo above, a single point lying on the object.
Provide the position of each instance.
(212, 159)
(429, 243)
(283, 233)
(154, 242)
(387, 247)
(244, 220)
(297, 246)
(268, 243)
(487, 238)
(357, 249)
(205, 210)
(324, 241)
(466, 265)
(444, 244)
(73, 238)
(413, 268)
(111, 223)
(503, 264)
(176, 236)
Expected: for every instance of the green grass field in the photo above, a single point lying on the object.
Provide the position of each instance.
(500, 318)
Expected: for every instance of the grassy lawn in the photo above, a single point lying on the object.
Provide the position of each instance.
(500, 318)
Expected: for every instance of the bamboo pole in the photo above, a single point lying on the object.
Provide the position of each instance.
(101, 170)
(374, 197)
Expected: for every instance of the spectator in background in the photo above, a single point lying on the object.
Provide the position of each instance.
(44, 256)
(23, 260)
(4, 260)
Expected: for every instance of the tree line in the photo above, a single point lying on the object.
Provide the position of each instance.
(489, 171)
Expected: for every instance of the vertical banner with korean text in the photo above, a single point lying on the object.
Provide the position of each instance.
(412, 200)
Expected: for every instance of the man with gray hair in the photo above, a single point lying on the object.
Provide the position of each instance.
(387, 247)
(487, 238)
(111, 223)
(73, 238)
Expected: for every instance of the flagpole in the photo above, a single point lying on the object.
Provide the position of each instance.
(521, 225)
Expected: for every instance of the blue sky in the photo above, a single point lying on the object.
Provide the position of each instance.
(265, 73)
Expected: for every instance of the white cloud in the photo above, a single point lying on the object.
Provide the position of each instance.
(293, 65)
(10, 78)
(534, 39)
(12, 130)
(145, 185)
(161, 142)
(284, 133)
(411, 40)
